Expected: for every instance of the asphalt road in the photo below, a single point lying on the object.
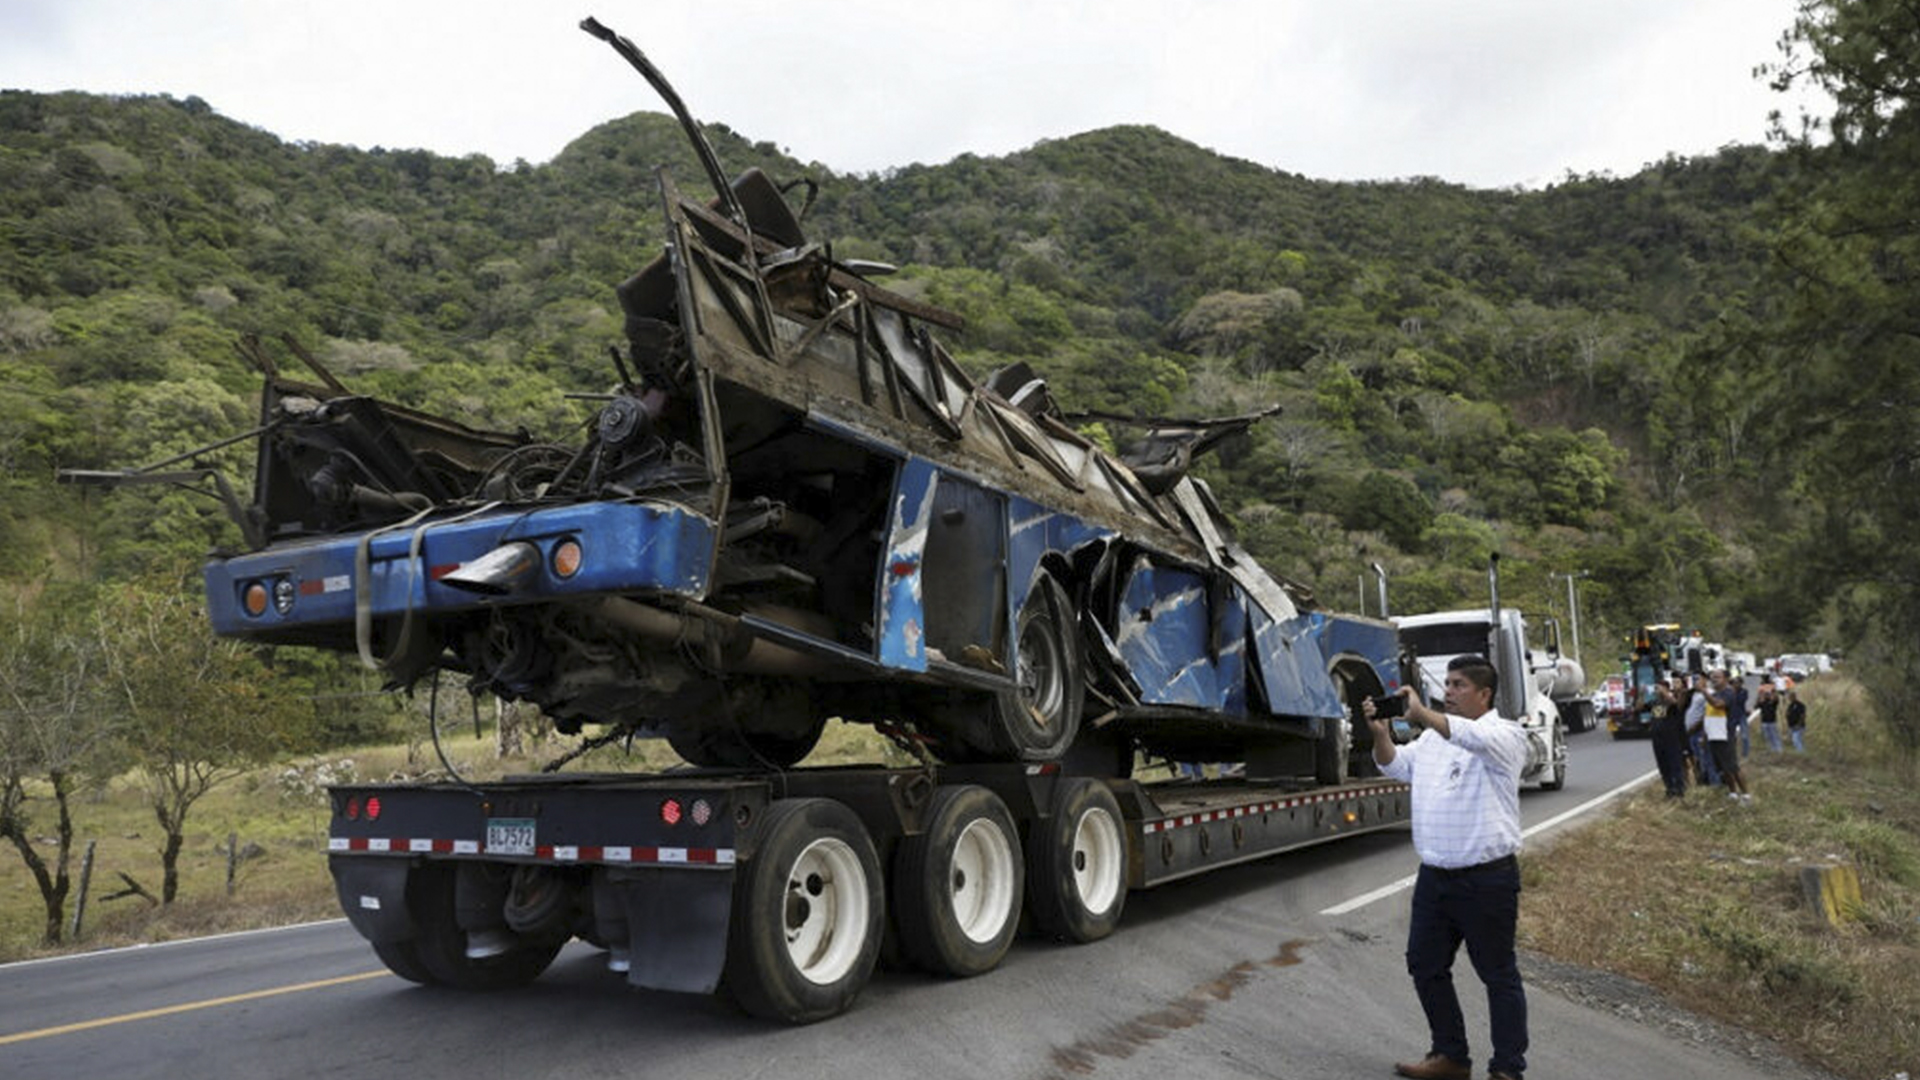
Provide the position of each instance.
(1287, 968)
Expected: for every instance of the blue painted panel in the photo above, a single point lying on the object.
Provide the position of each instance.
(1164, 628)
(1291, 665)
(627, 548)
(902, 619)
(1034, 530)
(1230, 669)
(1376, 642)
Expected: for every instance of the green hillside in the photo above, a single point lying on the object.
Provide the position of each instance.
(1608, 375)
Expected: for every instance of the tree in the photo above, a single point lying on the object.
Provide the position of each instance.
(196, 711)
(51, 732)
(1848, 296)
(1383, 502)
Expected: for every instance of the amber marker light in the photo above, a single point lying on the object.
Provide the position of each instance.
(566, 558)
(255, 598)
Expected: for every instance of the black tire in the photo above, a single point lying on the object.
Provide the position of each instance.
(441, 946)
(403, 960)
(808, 913)
(1077, 864)
(1039, 720)
(957, 885)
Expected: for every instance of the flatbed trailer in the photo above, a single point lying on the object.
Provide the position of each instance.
(783, 889)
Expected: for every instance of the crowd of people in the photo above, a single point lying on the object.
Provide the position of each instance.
(1702, 729)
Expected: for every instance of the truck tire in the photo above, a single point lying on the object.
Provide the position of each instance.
(403, 960)
(807, 914)
(1077, 864)
(441, 946)
(957, 885)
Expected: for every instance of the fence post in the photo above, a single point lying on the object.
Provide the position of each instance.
(233, 858)
(80, 902)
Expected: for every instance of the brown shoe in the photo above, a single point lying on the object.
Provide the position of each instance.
(1435, 1067)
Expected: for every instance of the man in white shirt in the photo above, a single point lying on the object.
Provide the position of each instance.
(1464, 770)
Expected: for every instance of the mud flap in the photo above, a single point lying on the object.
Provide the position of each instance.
(677, 926)
(373, 894)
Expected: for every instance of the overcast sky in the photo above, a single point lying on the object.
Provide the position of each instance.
(1489, 93)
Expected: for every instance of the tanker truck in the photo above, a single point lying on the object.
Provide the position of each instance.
(792, 505)
(1564, 681)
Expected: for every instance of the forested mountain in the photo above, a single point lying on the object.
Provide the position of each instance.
(1542, 373)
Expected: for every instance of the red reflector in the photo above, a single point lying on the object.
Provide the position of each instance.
(353, 808)
(438, 572)
(312, 587)
(670, 811)
(903, 567)
(373, 807)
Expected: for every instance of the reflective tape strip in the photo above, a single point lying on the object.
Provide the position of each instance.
(555, 853)
(1168, 824)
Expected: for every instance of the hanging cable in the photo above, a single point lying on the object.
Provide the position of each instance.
(433, 728)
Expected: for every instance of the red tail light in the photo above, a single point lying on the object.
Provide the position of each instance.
(670, 811)
(373, 808)
(353, 808)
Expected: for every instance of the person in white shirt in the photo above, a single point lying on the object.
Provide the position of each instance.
(1464, 771)
(1717, 721)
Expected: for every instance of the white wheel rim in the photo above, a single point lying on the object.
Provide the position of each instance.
(1097, 860)
(824, 916)
(981, 881)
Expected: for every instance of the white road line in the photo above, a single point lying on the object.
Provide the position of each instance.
(1389, 889)
(163, 944)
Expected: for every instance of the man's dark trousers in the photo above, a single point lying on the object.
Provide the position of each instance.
(1478, 906)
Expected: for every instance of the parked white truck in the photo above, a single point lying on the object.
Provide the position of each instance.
(1500, 634)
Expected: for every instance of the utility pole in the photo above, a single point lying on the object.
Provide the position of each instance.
(1573, 609)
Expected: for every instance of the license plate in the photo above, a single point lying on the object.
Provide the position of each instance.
(509, 836)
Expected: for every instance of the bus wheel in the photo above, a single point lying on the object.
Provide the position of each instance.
(1038, 720)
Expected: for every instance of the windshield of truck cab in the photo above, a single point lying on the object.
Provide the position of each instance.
(1445, 639)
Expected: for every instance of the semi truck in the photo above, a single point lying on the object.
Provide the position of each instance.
(793, 505)
(1498, 633)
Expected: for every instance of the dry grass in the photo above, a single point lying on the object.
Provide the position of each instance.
(1702, 900)
(279, 813)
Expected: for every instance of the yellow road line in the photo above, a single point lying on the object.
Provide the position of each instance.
(148, 1014)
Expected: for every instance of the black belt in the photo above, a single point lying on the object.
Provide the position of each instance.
(1504, 862)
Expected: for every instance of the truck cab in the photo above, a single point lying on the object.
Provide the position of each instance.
(1437, 637)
